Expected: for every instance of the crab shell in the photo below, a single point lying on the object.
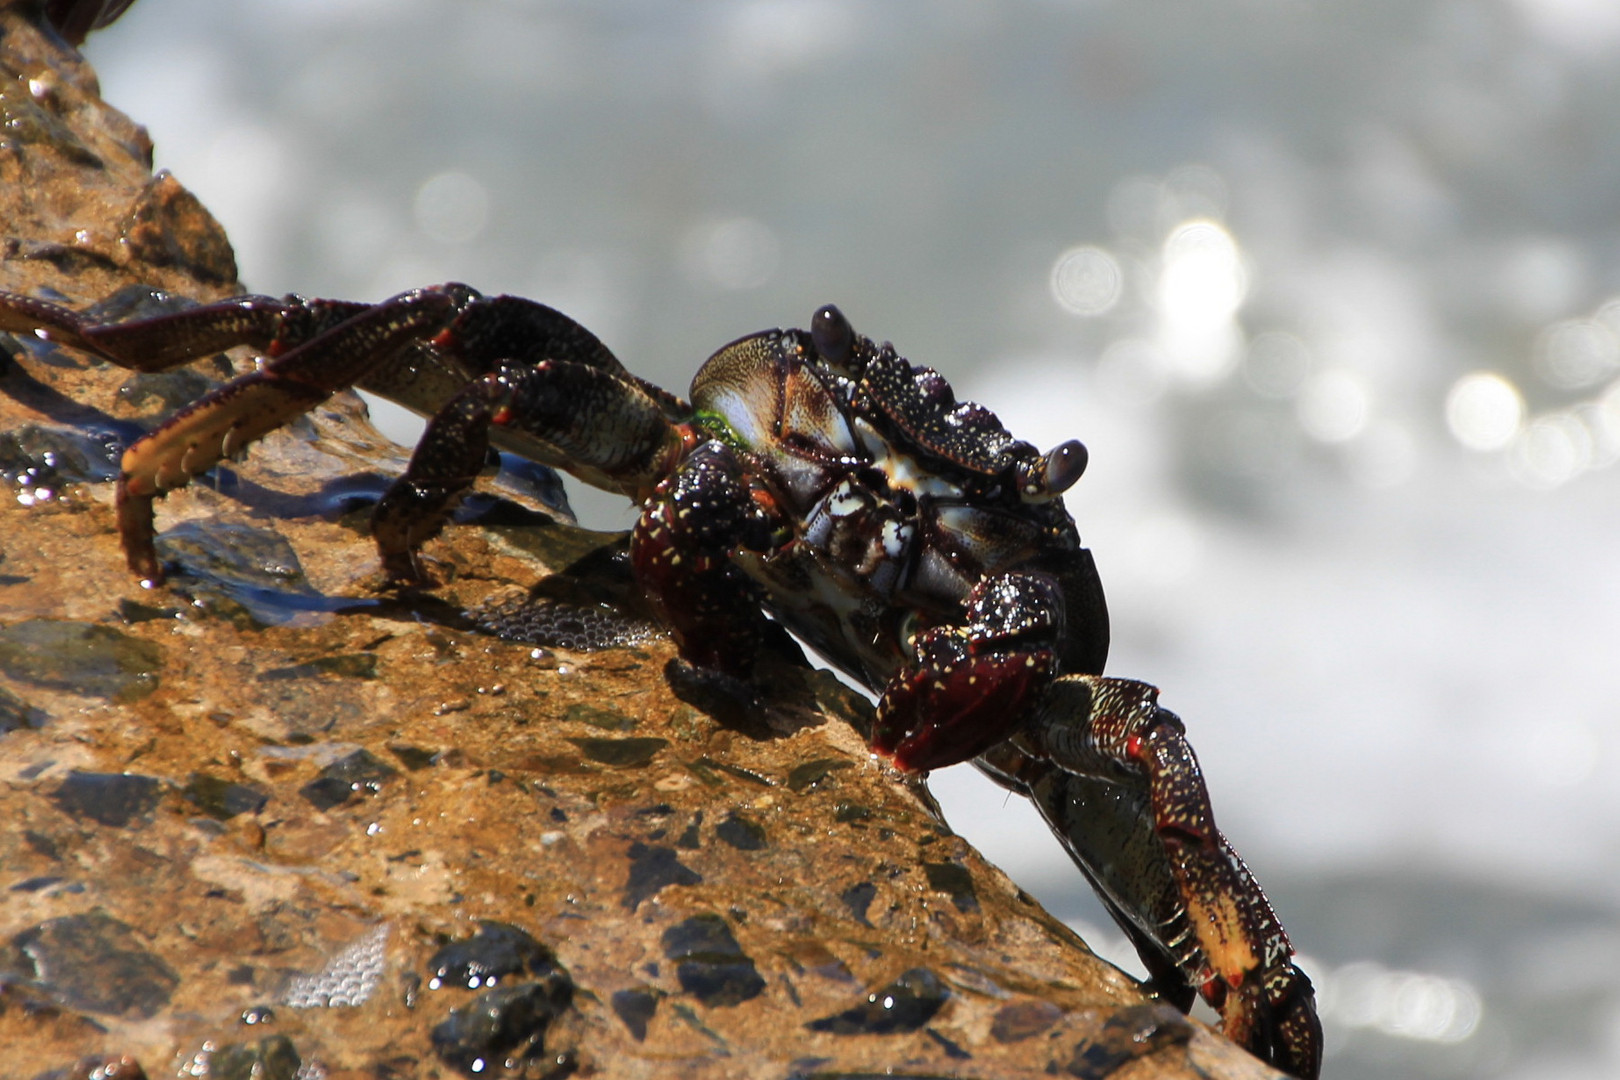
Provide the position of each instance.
(899, 498)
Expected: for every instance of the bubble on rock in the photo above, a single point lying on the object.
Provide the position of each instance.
(560, 625)
(348, 979)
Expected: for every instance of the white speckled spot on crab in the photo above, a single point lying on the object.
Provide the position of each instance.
(903, 471)
(846, 499)
(896, 537)
(348, 979)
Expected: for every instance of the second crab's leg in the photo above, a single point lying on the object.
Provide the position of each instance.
(1115, 777)
(245, 409)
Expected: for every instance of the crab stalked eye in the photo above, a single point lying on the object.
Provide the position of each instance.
(834, 337)
(1064, 464)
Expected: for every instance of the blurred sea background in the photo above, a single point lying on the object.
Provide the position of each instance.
(1330, 291)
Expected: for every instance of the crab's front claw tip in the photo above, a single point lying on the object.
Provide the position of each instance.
(943, 713)
(1296, 1029)
(1274, 1018)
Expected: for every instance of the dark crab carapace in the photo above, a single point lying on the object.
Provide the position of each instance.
(820, 478)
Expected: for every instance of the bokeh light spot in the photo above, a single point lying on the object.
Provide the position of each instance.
(730, 254)
(1087, 281)
(1333, 406)
(1484, 411)
(1404, 1004)
(451, 207)
(1551, 451)
(1203, 281)
(1577, 353)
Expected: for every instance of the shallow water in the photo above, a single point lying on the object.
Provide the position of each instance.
(1331, 293)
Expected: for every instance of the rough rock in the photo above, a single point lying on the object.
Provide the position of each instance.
(273, 820)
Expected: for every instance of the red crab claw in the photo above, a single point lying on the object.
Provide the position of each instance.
(968, 683)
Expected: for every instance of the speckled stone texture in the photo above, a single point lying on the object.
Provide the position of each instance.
(273, 821)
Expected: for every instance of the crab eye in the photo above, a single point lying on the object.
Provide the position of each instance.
(1064, 465)
(832, 334)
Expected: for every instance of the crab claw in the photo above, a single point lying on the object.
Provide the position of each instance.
(969, 683)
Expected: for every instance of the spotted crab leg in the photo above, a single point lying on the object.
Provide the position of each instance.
(1115, 778)
(226, 421)
(165, 341)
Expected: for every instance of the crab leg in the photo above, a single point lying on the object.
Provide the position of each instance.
(602, 428)
(247, 408)
(1114, 776)
(166, 341)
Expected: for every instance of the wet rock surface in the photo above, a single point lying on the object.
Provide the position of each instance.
(272, 820)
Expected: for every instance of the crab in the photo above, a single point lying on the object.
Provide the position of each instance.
(815, 479)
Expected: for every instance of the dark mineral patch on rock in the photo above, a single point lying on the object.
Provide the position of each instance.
(709, 963)
(46, 456)
(955, 881)
(249, 575)
(1131, 1033)
(414, 758)
(113, 799)
(952, 1049)
(624, 753)
(903, 1005)
(740, 833)
(811, 774)
(598, 717)
(361, 773)
(496, 951)
(271, 1058)
(636, 1009)
(81, 657)
(858, 898)
(509, 1022)
(223, 799)
(16, 714)
(652, 867)
(94, 963)
(348, 665)
(1023, 1020)
(163, 392)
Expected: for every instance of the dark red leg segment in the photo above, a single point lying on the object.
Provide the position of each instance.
(245, 409)
(156, 344)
